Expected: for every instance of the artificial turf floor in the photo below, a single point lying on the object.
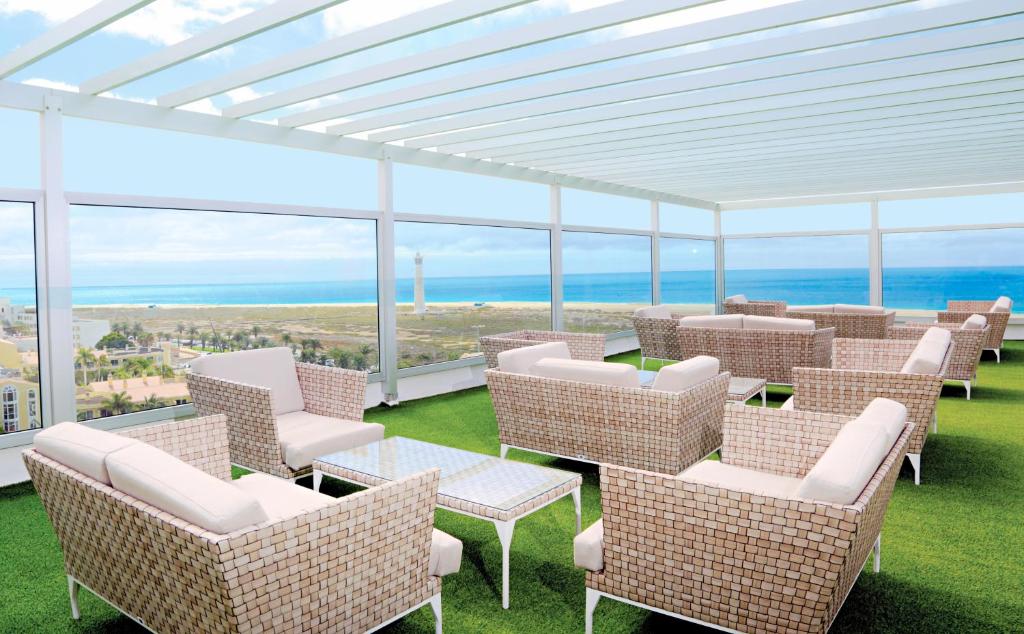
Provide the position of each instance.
(952, 549)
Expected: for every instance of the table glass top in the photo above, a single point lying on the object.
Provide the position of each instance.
(465, 475)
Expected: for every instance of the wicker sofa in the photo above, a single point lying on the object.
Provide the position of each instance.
(282, 414)
(582, 345)
(655, 328)
(864, 369)
(127, 508)
(969, 339)
(740, 305)
(547, 403)
(850, 321)
(996, 313)
(748, 544)
(753, 346)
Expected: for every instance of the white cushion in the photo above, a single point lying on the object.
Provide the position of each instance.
(712, 321)
(280, 498)
(719, 475)
(160, 479)
(445, 554)
(519, 360)
(937, 335)
(598, 372)
(859, 309)
(588, 548)
(1002, 305)
(685, 374)
(890, 415)
(789, 405)
(847, 466)
(272, 368)
(974, 322)
(929, 353)
(82, 448)
(661, 311)
(304, 436)
(822, 308)
(756, 322)
(736, 299)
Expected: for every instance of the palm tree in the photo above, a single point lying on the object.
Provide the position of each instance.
(203, 337)
(151, 402)
(85, 358)
(307, 356)
(118, 403)
(165, 371)
(122, 374)
(366, 350)
(103, 364)
(286, 339)
(180, 329)
(146, 340)
(342, 358)
(137, 331)
(255, 331)
(240, 339)
(192, 332)
(263, 342)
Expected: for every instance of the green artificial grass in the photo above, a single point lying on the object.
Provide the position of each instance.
(952, 549)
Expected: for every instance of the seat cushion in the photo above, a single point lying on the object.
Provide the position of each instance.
(520, 360)
(929, 353)
(712, 321)
(847, 466)
(445, 554)
(272, 368)
(306, 436)
(717, 474)
(685, 374)
(597, 372)
(1002, 305)
(736, 299)
(81, 448)
(821, 308)
(890, 415)
(588, 548)
(281, 499)
(974, 322)
(859, 309)
(160, 479)
(756, 322)
(661, 311)
(789, 405)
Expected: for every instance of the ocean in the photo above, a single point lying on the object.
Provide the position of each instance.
(920, 288)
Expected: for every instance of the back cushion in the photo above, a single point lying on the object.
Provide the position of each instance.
(736, 299)
(713, 321)
(890, 415)
(82, 448)
(272, 368)
(597, 372)
(822, 308)
(1003, 305)
(661, 311)
(520, 360)
(858, 309)
(974, 322)
(685, 374)
(755, 322)
(847, 466)
(158, 478)
(928, 354)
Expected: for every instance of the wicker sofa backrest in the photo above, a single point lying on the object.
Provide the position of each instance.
(849, 325)
(963, 363)
(765, 354)
(957, 312)
(657, 337)
(583, 346)
(762, 308)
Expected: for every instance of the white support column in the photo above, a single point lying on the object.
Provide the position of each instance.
(57, 348)
(875, 256)
(655, 253)
(386, 308)
(557, 296)
(719, 263)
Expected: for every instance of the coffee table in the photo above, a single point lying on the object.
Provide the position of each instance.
(481, 486)
(741, 389)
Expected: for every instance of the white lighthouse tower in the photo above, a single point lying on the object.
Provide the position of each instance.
(419, 300)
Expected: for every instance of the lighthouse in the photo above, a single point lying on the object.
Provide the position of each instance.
(419, 301)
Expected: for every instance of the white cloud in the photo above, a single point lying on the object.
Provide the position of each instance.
(49, 83)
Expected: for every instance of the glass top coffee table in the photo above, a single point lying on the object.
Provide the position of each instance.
(486, 487)
(741, 389)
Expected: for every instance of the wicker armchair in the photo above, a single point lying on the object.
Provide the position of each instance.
(258, 438)
(293, 574)
(849, 325)
(584, 346)
(734, 560)
(646, 429)
(765, 354)
(957, 312)
(865, 369)
(963, 364)
(762, 308)
(657, 337)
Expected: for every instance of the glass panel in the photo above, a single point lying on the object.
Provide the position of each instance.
(457, 282)
(806, 218)
(680, 219)
(924, 270)
(107, 157)
(592, 209)
(450, 193)
(189, 283)
(606, 278)
(960, 210)
(19, 160)
(688, 275)
(803, 270)
(20, 395)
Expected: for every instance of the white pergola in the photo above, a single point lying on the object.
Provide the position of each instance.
(807, 102)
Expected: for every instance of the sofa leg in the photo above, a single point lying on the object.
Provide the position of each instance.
(73, 595)
(915, 461)
(935, 422)
(435, 605)
(593, 596)
(998, 359)
(504, 450)
(967, 385)
(318, 478)
(643, 361)
(878, 553)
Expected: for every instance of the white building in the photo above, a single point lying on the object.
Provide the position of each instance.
(88, 332)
